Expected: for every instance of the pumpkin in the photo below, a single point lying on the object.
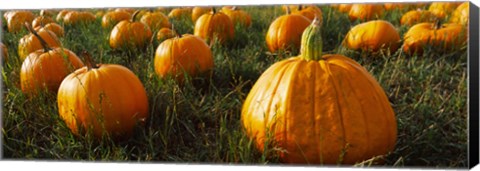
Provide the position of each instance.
(53, 27)
(285, 32)
(130, 34)
(128, 10)
(319, 109)
(41, 20)
(180, 13)
(30, 43)
(61, 15)
(442, 9)
(164, 34)
(238, 16)
(45, 68)
(78, 17)
(47, 13)
(197, 12)
(365, 12)
(112, 18)
(16, 20)
(290, 8)
(344, 8)
(187, 54)
(102, 99)
(461, 13)
(214, 26)
(155, 20)
(4, 52)
(417, 16)
(310, 12)
(445, 37)
(373, 36)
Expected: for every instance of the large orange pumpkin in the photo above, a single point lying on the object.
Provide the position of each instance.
(365, 12)
(155, 20)
(103, 99)
(238, 16)
(214, 25)
(30, 43)
(112, 18)
(417, 16)
(285, 32)
(373, 36)
(45, 68)
(16, 20)
(461, 13)
(187, 54)
(445, 37)
(319, 109)
(130, 34)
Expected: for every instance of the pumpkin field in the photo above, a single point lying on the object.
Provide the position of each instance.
(361, 85)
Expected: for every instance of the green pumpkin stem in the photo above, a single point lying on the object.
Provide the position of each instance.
(312, 44)
(44, 44)
(214, 11)
(88, 60)
(134, 15)
(438, 24)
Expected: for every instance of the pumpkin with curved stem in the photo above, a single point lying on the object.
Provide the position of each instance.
(102, 99)
(238, 16)
(310, 12)
(445, 37)
(214, 26)
(178, 56)
(285, 32)
(16, 20)
(373, 36)
(417, 16)
(197, 12)
(130, 34)
(78, 17)
(319, 109)
(112, 18)
(30, 43)
(45, 68)
(4, 52)
(155, 20)
(461, 13)
(53, 27)
(365, 12)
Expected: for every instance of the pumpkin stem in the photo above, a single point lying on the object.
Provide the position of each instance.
(288, 10)
(312, 44)
(44, 44)
(134, 15)
(299, 7)
(438, 24)
(88, 60)
(234, 8)
(213, 10)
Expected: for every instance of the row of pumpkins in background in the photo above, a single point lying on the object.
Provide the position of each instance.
(307, 104)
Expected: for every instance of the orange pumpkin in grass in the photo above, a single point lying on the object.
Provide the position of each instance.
(112, 18)
(445, 37)
(344, 8)
(44, 69)
(365, 12)
(155, 20)
(180, 13)
(16, 20)
(41, 20)
(310, 11)
(319, 108)
(102, 99)
(53, 27)
(285, 32)
(188, 54)
(214, 25)
(373, 36)
(4, 52)
(417, 16)
(61, 15)
(461, 13)
(197, 12)
(238, 16)
(164, 34)
(30, 43)
(442, 9)
(78, 17)
(130, 34)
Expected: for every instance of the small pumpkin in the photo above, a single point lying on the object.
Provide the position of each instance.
(4, 50)
(319, 108)
(365, 12)
(164, 34)
(16, 20)
(445, 37)
(112, 18)
(442, 9)
(78, 17)
(238, 16)
(155, 20)
(102, 99)
(417, 16)
(41, 20)
(214, 26)
(461, 13)
(61, 15)
(30, 43)
(285, 32)
(197, 12)
(130, 34)
(47, 13)
(53, 27)
(310, 11)
(373, 36)
(44, 69)
(186, 54)
(180, 13)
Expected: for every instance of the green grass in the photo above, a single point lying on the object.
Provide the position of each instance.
(200, 121)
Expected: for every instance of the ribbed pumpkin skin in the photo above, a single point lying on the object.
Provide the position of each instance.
(285, 32)
(373, 36)
(164, 34)
(449, 37)
(46, 70)
(155, 20)
(53, 27)
(365, 12)
(197, 12)
(461, 13)
(16, 20)
(316, 109)
(29, 43)
(41, 20)
(112, 18)
(214, 26)
(130, 35)
(417, 16)
(108, 99)
(188, 54)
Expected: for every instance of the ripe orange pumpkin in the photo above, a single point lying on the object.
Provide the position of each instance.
(47, 13)
(373, 36)
(61, 15)
(197, 12)
(4, 50)
(112, 18)
(164, 34)
(214, 25)
(310, 11)
(30, 43)
(461, 13)
(442, 9)
(187, 54)
(44, 69)
(103, 99)
(16, 20)
(155, 20)
(180, 13)
(238, 16)
(78, 17)
(319, 109)
(344, 8)
(285, 32)
(130, 34)
(365, 12)
(417, 16)
(53, 27)
(446, 37)
(41, 20)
